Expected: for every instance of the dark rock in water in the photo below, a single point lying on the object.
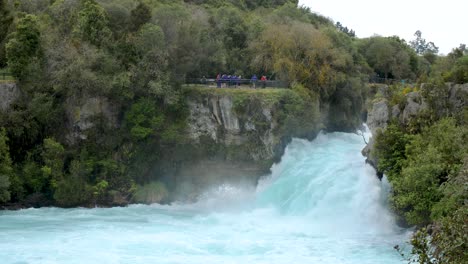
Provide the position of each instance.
(37, 200)
(371, 159)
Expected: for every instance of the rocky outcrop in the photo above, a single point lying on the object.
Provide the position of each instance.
(9, 92)
(378, 116)
(82, 113)
(458, 97)
(414, 105)
(450, 100)
(236, 136)
(215, 117)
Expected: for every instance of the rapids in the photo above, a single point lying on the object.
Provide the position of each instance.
(321, 204)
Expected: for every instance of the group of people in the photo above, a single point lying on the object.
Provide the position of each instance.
(233, 80)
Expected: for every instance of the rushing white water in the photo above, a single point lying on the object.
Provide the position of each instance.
(322, 204)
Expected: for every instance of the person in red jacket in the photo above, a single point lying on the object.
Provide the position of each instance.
(263, 80)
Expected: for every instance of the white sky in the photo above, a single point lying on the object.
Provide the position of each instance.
(443, 22)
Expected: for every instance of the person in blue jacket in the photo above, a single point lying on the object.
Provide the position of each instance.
(253, 81)
(223, 80)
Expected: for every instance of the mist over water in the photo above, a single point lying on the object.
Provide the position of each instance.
(322, 204)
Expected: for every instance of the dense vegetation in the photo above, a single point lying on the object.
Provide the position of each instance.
(425, 158)
(135, 56)
(426, 161)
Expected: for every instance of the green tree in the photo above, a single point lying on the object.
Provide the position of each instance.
(139, 16)
(421, 46)
(92, 24)
(143, 119)
(345, 30)
(73, 190)
(5, 21)
(390, 57)
(432, 157)
(459, 73)
(64, 15)
(53, 155)
(6, 170)
(24, 46)
(390, 150)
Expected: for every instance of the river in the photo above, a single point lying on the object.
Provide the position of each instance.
(321, 204)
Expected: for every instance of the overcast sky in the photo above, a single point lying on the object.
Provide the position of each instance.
(443, 22)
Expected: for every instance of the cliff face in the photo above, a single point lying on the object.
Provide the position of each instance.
(237, 135)
(215, 118)
(449, 100)
(82, 113)
(9, 92)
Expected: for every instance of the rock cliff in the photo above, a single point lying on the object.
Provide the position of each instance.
(237, 135)
(81, 113)
(448, 100)
(9, 92)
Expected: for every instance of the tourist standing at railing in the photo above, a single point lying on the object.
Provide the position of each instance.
(239, 80)
(223, 80)
(264, 81)
(253, 81)
(218, 80)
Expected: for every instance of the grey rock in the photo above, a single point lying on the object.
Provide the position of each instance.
(378, 117)
(9, 92)
(396, 111)
(202, 121)
(414, 104)
(81, 112)
(458, 97)
(214, 117)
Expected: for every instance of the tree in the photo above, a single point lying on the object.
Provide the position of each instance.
(5, 21)
(144, 119)
(421, 46)
(345, 30)
(390, 57)
(92, 23)
(459, 73)
(298, 53)
(72, 190)
(6, 169)
(24, 46)
(432, 157)
(53, 155)
(139, 16)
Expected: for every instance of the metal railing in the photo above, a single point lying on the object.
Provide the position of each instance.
(5, 75)
(234, 83)
(376, 79)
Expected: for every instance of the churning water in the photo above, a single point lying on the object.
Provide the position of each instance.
(322, 204)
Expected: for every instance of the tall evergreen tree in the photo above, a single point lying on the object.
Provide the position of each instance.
(5, 22)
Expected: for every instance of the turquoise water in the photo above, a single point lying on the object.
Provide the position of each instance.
(322, 204)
